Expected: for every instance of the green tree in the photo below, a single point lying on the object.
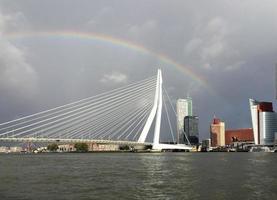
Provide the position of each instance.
(52, 147)
(81, 147)
(124, 148)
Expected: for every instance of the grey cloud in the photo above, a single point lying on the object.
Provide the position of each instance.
(213, 46)
(115, 77)
(17, 76)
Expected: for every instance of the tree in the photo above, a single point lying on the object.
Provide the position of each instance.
(81, 147)
(124, 148)
(52, 147)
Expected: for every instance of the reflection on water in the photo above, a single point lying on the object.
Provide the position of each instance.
(139, 176)
(166, 176)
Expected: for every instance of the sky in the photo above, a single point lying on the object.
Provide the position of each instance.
(230, 46)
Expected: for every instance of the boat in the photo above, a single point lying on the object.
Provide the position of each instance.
(261, 149)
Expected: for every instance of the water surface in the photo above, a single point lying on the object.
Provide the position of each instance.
(139, 176)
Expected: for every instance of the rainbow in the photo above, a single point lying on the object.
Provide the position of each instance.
(116, 42)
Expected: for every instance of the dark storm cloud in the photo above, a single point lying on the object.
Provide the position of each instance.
(231, 43)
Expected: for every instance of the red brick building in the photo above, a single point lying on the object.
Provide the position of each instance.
(239, 135)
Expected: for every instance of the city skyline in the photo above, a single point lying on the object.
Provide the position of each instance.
(193, 45)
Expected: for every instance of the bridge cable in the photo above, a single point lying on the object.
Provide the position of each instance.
(51, 119)
(56, 108)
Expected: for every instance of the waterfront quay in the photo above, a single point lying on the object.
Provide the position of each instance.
(44, 146)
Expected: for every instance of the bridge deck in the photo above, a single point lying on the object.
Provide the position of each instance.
(59, 140)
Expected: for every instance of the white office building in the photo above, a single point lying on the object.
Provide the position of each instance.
(264, 122)
(183, 109)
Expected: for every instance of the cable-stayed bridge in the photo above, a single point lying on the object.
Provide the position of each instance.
(122, 116)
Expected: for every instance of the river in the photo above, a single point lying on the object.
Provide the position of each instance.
(138, 176)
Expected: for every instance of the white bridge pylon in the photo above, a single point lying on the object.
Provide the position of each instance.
(157, 112)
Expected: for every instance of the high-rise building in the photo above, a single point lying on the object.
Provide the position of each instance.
(264, 122)
(183, 108)
(217, 133)
(191, 129)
